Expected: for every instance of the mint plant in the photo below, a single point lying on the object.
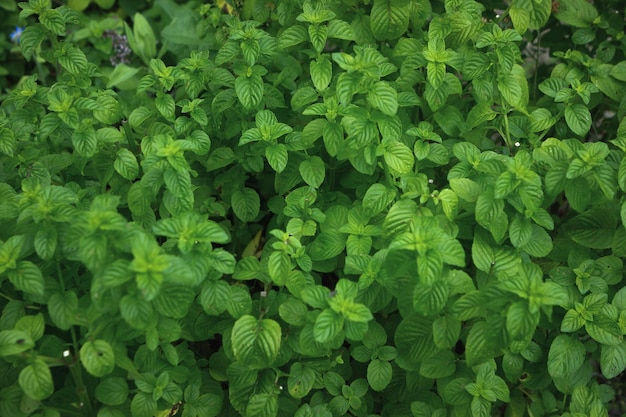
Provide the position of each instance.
(312, 209)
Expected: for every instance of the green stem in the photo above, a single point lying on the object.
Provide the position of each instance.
(507, 132)
(6, 297)
(81, 390)
(388, 176)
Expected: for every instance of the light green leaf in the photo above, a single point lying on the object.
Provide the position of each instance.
(112, 391)
(530, 14)
(214, 297)
(577, 13)
(318, 35)
(126, 164)
(262, 405)
(62, 308)
(165, 105)
(540, 243)
(279, 266)
(377, 198)
(389, 19)
(313, 171)
(399, 158)
(36, 380)
(613, 360)
(383, 97)
(514, 87)
(466, 189)
(328, 325)
(446, 331)
(136, 311)
(321, 72)
(27, 277)
(256, 342)
(97, 357)
(379, 374)
(301, 380)
(327, 245)
(578, 118)
(604, 330)
(277, 156)
(249, 90)
(13, 342)
(292, 35)
(566, 355)
(143, 405)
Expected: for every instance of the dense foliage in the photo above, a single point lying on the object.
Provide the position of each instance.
(312, 209)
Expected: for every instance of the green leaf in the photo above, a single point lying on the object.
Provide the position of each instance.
(97, 357)
(430, 299)
(313, 171)
(27, 277)
(136, 311)
(466, 189)
(441, 365)
(613, 360)
(112, 391)
(414, 341)
(7, 141)
(540, 243)
(143, 405)
(279, 266)
(521, 323)
(13, 342)
(165, 105)
(245, 204)
(577, 13)
(377, 198)
(318, 35)
(52, 20)
(604, 330)
(321, 72)
(566, 356)
(301, 380)
(174, 300)
(530, 14)
(446, 331)
(33, 325)
(256, 342)
(292, 35)
(383, 97)
(399, 158)
(249, 90)
(85, 142)
(327, 245)
(514, 87)
(379, 374)
(126, 164)
(62, 308)
(578, 118)
(277, 156)
(262, 405)
(214, 297)
(36, 380)
(478, 348)
(389, 19)
(328, 325)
